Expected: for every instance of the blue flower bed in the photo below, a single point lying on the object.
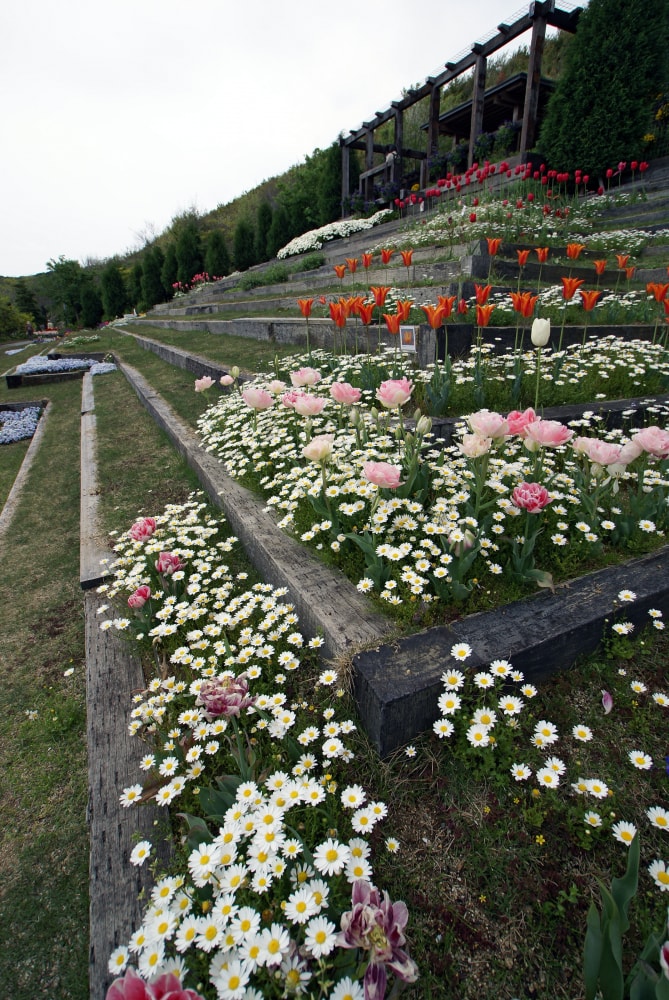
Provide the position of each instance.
(39, 365)
(17, 425)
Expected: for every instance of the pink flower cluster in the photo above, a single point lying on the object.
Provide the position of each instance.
(532, 497)
(165, 987)
(376, 925)
(382, 474)
(223, 697)
(139, 598)
(168, 563)
(143, 529)
(395, 392)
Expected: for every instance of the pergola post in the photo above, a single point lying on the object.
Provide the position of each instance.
(398, 171)
(368, 183)
(432, 134)
(478, 99)
(345, 178)
(531, 108)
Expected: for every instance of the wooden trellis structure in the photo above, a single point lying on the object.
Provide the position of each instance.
(556, 13)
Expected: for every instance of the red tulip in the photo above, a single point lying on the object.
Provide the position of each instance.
(524, 302)
(600, 266)
(365, 313)
(386, 255)
(446, 302)
(379, 292)
(657, 290)
(404, 309)
(569, 287)
(472, 216)
(352, 264)
(494, 243)
(392, 322)
(622, 259)
(589, 299)
(482, 293)
(434, 314)
(462, 307)
(542, 254)
(483, 314)
(522, 257)
(337, 314)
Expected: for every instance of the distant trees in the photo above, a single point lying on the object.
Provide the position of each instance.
(25, 301)
(65, 285)
(112, 290)
(169, 270)
(91, 303)
(188, 248)
(615, 66)
(152, 284)
(217, 258)
(12, 320)
(244, 250)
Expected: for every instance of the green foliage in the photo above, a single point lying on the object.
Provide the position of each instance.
(135, 284)
(244, 250)
(12, 321)
(26, 301)
(602, 105)
(65, 287)
(113, 291)
(276, 274)
(217, 258)
(189, 249)
(169, 270)
(91, 304)
(263, 224)
(280, 231)
(152, 285)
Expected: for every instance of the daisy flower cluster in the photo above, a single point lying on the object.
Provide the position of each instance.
(488, 718)
(453, 517)
(246, 730)
(315, 238)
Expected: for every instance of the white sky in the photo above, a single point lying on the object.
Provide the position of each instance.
(119, 115)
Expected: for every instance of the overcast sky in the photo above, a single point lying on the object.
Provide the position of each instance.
(118, 116)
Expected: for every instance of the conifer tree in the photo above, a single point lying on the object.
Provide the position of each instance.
(217, 258)
(113, 291)
(169, 270)
(602, 106)
(244, 245)
(189, 251)
(263, 224)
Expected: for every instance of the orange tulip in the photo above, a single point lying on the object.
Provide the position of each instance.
(352, 264)
(463, 308)
(494, 243)
(522, 257)
(447, 302)
(569, 287)
(483, 314)
(629, 273)
(305, 307)
(657, 290)
(435, 315)
(393, 323)
(523, 302)
(379, 292)
(406, 257)
(542, 254)
(365, 313)
(482, 293)
(589, 299)
(622, 259)
(386, 255)
(348, 306)
(404, 309)
(574, 250)
(337, 314)
(600, 266)
(340, 270)
(367, 259)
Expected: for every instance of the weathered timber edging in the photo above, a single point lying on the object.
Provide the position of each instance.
(14, 494)
(327, 603)
(112, 675)
(397, 686)
(93, 548)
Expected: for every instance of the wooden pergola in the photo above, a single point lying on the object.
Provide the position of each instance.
(556, 13)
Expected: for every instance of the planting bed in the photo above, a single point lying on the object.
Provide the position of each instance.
(397, 682)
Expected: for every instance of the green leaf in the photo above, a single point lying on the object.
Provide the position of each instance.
(592, 953)
(624, 889)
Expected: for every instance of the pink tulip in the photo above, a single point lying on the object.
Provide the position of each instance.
(143, 529)
(257, 399)
(226, 380)
(473, 445)
(518, 421)
(344, 393)
(224, 696)
(599, 452)
(607, 702)
(654, 441)
(382, 474)
(488, 424)
(395, 392)
(319, 448)
(532, 497)
(308, 406)
(204, 383)
(139, 598)
(276, 387)
(305, 376)
(290, 398)
(168, 563)
(546, 434)
(165, 987)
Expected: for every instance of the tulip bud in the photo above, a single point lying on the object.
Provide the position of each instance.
(541, 331)
(234, 371)
(423, 425)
